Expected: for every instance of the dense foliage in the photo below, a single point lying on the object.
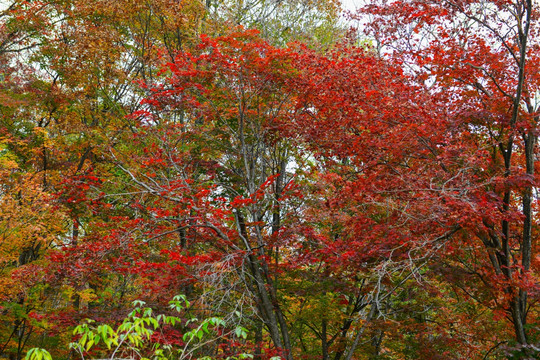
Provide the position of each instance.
(310, 191)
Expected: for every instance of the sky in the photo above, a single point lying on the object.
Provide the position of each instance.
(350, 4)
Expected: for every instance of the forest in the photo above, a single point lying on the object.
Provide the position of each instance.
(269, 179)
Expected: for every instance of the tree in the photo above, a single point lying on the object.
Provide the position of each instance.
(363, 226)
(316, 23)
(215, 166)
(67, 81)
(478, 59)
(216, 189)
(377, 224)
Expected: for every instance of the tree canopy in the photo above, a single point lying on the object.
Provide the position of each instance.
(260, 180)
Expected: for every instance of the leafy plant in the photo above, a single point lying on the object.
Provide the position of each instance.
(135, 336)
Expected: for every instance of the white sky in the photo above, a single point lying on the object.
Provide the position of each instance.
(350, 4)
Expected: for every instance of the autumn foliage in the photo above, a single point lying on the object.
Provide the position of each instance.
(312, 192)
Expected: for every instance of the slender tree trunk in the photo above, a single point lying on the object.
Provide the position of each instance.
(263, 296)
(360, 331)
(324, 338)
(518, 304)
(258, 340)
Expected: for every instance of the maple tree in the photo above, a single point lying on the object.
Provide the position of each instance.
(376, 228)
(212, 191)
(221, 96)
(478, 60)
(335, 201)
(226, 171)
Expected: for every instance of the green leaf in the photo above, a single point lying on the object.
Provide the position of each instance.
(245, 356)
(138, 304)
(89, 344)
(240, 332)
